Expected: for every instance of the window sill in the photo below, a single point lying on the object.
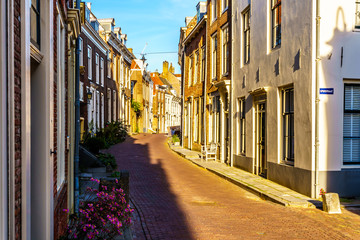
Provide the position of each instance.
(276, 47)
(214, 20)
(287, 163)
(214, 79)
(226, 74)
(224, 10)
(35, 53)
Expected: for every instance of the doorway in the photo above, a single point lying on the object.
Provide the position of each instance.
(260, 139)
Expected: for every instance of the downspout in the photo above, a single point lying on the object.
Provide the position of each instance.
(205, 90)
(183, 94)
(317, 98)
(77, 119)
(231, 102)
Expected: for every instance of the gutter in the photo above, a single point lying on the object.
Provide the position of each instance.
(77, 121)
(182, 93)
(205, 92)
(231, 102)
(317, 98)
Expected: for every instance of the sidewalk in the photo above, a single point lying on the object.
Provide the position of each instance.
(262, 187)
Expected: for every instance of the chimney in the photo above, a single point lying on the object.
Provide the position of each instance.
(172, 69)
(201, 10)
(88, 4)
(165, 68)
(188, 20)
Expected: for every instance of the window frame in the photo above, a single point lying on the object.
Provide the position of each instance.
(97, 70)
(196, 67)
(350, 111)
(224, 5)
(357, 15)
(242, 127)
(214, 45)
(225, 53)
(213, 10)
(81, 52)
(276, 25)
(89, 56)
(246, 35)
(102, 71)
(203, 63)
(36, 10)
(190, 73)
(288, 126)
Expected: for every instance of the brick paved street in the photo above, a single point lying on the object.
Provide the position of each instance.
(178, 200)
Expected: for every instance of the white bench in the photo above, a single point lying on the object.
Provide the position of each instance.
(209, 152)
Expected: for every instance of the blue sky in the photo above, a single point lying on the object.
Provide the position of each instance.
(149, 21)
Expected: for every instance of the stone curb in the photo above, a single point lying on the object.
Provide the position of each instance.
(248, 187)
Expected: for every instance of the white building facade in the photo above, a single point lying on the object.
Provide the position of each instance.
(296, 93)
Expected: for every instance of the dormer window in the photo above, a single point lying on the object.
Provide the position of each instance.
(87, 14)
(95, 24)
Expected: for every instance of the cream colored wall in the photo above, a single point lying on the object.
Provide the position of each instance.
(337, 31)
(297, 25)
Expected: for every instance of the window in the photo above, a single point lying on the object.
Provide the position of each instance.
(276, 22)
(97, 67)
(214, 53)
(114, 105)
(61, 96)
(89, 62)
(114, 68)
(98, 109)
(102, 71)
(241, 126)
(35, 23)
(247, 36)
(225, 50)
(196, 120)
(196, 67)
(81, 53)
(216, 119)
(225, 4)
(81, 91)
(203, 59)
(213, 9)
(191, 62)
(108, 66)
(351, 129)
(357, 14)
(109, 104)
(288, 125)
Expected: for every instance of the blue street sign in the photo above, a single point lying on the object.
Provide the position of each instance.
(329, 91)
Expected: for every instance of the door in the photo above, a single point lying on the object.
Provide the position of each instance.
(261, 139)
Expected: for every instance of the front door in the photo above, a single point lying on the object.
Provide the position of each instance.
(261, 139)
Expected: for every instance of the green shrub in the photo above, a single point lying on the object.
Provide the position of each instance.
(94, 144)
(108, 160)
(175, 138)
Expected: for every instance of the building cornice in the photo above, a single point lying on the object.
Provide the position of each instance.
(73, 20)
(94, 37)
(196, 29)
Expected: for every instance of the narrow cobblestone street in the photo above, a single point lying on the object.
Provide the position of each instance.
(177, 200)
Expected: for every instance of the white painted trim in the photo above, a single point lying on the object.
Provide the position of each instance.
(92, 39)
(25, 122)
(3, 125)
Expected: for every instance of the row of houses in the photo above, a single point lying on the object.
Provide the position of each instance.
(275, 86)
(63, 72)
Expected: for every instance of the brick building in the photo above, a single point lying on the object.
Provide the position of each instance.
(101, 108)
(194, 76)
(37, 72)
(158, 123)
(120, 59)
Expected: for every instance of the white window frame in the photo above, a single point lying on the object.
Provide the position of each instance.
(214, 44)
(190, 78)
(357, 15)
(109, 104)
(81, 52)
(81, 91)
(224, 5)
(102, 71)
(246, 35)
(241, 126)
(97, 66)
(109, 66)
(98, 110)
(353, 111)
(89, 62)
(102, 111)
(114, 105)
(196, 67)
(213, 10)
(60, 103)
(286, 115)
(225, 51)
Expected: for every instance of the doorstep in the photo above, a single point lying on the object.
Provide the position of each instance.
(264, 188)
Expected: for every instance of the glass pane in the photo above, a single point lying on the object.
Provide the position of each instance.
(357, 17)
(33, 25)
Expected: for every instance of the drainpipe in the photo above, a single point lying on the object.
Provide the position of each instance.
(183, 94)
(205, 91)
(77, 119)
(231, 102)
(317, 96)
